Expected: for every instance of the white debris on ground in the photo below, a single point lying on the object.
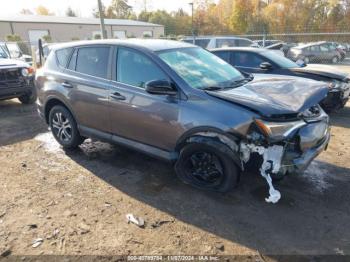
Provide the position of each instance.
(139, 221)
(272, 157)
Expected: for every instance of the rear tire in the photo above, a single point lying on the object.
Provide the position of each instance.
(64, 127)
(205, 167)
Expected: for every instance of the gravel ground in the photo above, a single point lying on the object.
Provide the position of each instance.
(76, 202)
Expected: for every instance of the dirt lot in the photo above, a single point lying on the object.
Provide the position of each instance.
(77, 201)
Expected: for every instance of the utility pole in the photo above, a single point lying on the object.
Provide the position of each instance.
(102, 22)
(192, 28)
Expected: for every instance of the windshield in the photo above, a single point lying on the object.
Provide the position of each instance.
(280, 60)
(14, 49)
(199, 68)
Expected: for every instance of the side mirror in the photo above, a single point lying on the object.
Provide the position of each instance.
(301, 63)
(160, 87)
(265, 66)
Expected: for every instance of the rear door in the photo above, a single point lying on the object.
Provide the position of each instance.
(135, 114)
(88, 83)
(325, 52)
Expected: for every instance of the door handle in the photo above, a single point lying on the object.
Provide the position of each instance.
(67, 85)
(117, 96)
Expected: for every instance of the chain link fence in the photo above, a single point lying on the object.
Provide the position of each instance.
(310, 47)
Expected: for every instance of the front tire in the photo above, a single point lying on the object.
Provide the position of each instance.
(335, 60)
(206, 167)
(64, 127)
(28, 99)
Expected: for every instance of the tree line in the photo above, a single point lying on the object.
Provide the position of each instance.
(237, 16)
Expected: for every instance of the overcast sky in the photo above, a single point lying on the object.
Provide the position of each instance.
(84, 7)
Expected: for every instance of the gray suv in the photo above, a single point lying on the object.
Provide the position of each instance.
(178, 102)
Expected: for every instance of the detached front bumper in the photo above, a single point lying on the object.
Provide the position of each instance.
(309, 142)
(301, 163)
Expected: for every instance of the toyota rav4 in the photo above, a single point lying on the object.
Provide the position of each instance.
(178, 102)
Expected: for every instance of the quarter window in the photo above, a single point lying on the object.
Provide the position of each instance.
(93, 61)
(62, 56)
(134, 68)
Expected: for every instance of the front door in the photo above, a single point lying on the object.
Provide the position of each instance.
(135, 114)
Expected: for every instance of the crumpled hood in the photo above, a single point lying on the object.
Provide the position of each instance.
(321, 70)
(10, 63)
(272, 95)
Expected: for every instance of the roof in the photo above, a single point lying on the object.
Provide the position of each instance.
(250, 49)
(213, 36)
(72, 20)
(150, 44)
(310, 44)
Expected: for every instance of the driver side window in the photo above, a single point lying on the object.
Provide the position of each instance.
(135, 69)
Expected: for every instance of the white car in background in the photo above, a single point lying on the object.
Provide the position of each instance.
(14, 52)
(210, 42)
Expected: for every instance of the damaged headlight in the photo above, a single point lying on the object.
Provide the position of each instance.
(278, 130)
(27, 71)
(336, 85)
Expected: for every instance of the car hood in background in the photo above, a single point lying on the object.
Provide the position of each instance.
(322, 70)
(272, 95)
(9, 63)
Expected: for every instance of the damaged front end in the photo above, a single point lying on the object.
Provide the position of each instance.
(286, 145)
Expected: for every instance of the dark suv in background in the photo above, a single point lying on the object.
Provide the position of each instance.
(179, 102)
(263, 61)
(16, 79)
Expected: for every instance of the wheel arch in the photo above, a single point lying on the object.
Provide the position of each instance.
(226, 142)
(54, 101)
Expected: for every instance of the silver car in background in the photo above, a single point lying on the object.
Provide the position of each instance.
(209, 42)
(314, 52)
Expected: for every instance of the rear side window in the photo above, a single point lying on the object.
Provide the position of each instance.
(247, 59)
(314, 48)
(134, 68)
(243, 42)
(226, 42)
(224, 55)
(202, 42)
(324, 48)
(93, 61)
(63, 56)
